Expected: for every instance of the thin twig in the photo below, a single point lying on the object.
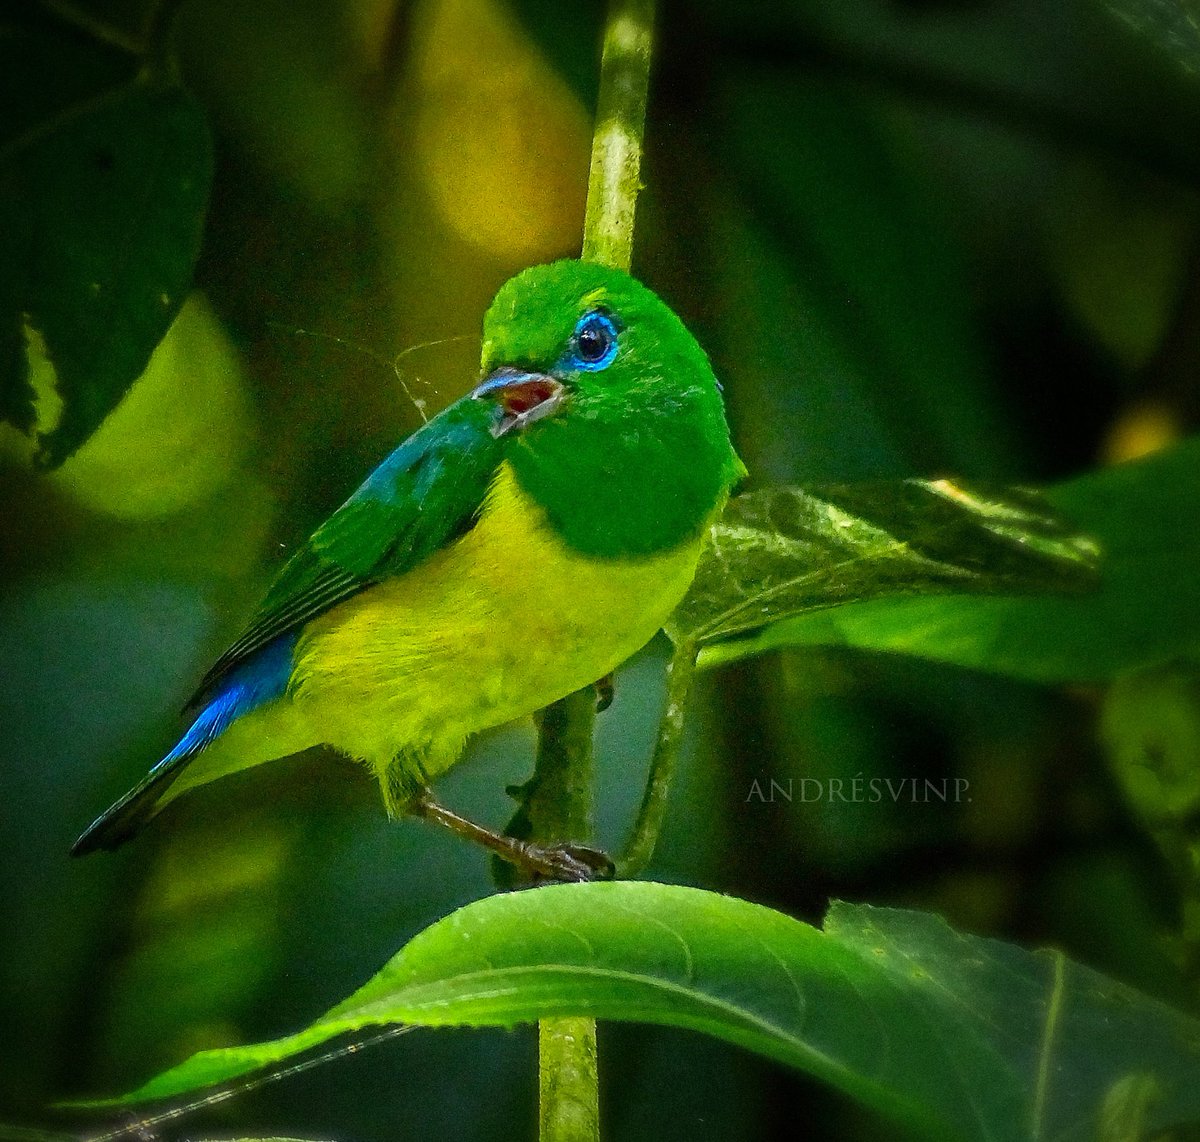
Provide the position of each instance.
(681, 671)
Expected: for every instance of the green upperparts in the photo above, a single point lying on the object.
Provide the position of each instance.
(637, 456)
(619, 434)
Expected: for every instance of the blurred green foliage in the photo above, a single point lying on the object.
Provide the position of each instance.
(917, 237)
(104, 182)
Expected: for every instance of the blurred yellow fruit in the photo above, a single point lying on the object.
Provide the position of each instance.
(1142, 428)
(179, 433)
(1120, 251)
(501, 143)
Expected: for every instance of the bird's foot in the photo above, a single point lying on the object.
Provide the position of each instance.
(566, 861)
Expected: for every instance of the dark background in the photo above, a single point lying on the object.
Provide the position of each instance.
(915, 237)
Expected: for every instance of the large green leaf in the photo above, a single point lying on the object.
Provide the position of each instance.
(960, 1036)
(102, 200)
(782, 552)
(1147, 609)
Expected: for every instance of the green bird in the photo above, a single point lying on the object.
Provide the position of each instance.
(518, 547)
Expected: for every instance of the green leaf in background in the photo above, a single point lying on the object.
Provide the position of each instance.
(960, 1036)
(1172, 25)
(781, 552)
(1150, 728)
(103, 202)
(873, 336)
(1147, 610)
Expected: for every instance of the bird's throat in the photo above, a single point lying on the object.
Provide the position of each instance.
(625, 494)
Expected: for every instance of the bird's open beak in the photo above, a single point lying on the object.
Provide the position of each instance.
(522, 397)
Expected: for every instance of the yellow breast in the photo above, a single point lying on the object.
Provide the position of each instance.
(502, 622)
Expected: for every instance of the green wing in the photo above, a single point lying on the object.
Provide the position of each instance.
(425, 494)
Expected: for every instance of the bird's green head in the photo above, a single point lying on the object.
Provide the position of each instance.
(612, 416)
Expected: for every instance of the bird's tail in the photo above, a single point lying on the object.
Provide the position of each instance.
(248, 690)
(121, 821)
(118, 823)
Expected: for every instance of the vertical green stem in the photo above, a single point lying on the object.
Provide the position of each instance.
(558, 801)
(568, 1092)
(559, 807)
(681, 671)
(614, 179)
(569, 1076)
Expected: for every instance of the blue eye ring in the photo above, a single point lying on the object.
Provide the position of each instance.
(594, 342)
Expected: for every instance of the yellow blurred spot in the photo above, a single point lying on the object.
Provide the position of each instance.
(1120, 251)
(1139, 430)
(195, 873)
(206, 937)
(501, 143)
(179, 433)
(1150, 725)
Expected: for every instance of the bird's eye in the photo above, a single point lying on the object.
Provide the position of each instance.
(595, 341)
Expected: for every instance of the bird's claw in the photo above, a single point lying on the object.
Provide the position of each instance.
(570, 862)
